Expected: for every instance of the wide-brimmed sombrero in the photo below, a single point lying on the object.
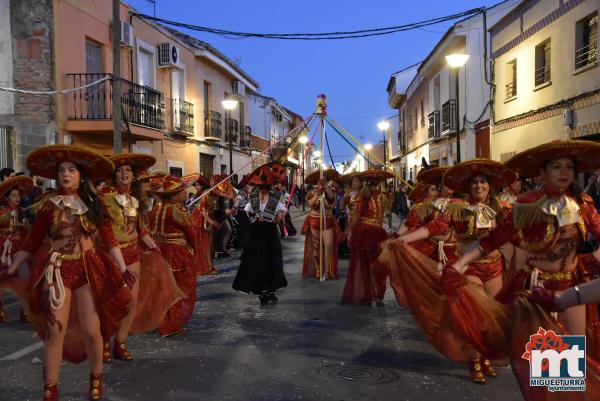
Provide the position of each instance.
(374, 175)
(329, 174)
(279, 173)
(44, 161)
(21, 183)
(458, 177)
(137, 161)
(197, 178)
(224, 189)
(169, 185)
(267, 174)
(419, 192)
(432, 175)
(142, 175)
(585, 154)
(347, 178)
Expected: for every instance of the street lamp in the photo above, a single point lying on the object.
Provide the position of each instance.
(229, 105)
(368, 148)
(455, 61)
(384, 126)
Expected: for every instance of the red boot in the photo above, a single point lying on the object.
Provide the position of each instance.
(120, 352)
(476, 371)
(96, 392)
(106, 355)
(487, 368)
(50, 392)
(2, 314)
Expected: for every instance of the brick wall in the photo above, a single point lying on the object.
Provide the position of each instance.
(34, 115)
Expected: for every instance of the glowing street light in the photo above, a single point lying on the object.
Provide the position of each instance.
(229, 105)
(455, 61)
(368, 147)
(317, 153)
(303, 140)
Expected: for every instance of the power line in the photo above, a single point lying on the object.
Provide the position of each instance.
(316, 36)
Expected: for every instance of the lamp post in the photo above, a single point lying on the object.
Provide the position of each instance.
(229, 105)
(368, 148)
(384, 126)
(455, 61)
(303, 141)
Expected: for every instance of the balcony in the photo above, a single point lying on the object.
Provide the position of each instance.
(140, 105)
(542, 75)
(510, 90)
(183, 117)
(434, 129)
(586, 55)
(245, 141)
(448, 117)
(234, 129)
(212, 126)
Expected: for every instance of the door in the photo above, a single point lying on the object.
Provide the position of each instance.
(95, 96)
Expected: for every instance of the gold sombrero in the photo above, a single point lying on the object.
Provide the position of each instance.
(374, 175)
(459, 175)
(432, 175)
(419, 192)
(137, 161)
(169, 185)
(329, 174)
(44, 161)
(21, 183)
(585, 154)
(224, 189)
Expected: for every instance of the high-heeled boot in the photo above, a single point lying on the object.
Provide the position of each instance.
(2, 314)
(50, 392)
(121, 352)
(96, 391)
(487, 368)
(106, 354)
(476, 371)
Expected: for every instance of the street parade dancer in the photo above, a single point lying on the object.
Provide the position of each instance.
(173, 229)
(12, 233)
(321, 201)
(366, 235)
(76, 296)
(419, 275)
(204, 224)
(261, 268)
(126, 205)
(550, 225)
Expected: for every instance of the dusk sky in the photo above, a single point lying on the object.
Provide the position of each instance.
(353, 73)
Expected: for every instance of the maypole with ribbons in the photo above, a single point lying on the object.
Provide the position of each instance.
(321, 112)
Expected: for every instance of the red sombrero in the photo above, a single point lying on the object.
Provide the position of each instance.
(44, 161)
(169, 185)
(202, 180)
(267, 174)
(419, 192)
(137, 161)
(459, 175)
(329, 174)
(432, 175)
(347, 178)
(142, 175)
(21, 183)
(374, 175)
(279, 173)
(585, 154)
(224, 189)
(190, 179)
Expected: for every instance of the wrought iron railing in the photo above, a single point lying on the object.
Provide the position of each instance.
(448, 117)
(245, 141)
(542, 75)
(510, 90)
(141, 105)
(212, 124)
(586, 55)
(434, 129)
(183, 116)
(233, 130)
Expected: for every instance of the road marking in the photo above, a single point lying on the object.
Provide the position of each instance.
(23, 352)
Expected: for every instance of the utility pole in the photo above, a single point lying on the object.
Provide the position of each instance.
(116, 78)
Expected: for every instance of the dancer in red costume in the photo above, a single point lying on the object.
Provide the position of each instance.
(126, 204)
(419, 278)
(549, 225)
(12, 232)
(76, 296)
(367, 234)
(172, 227)
(312, 227)
(204, 224)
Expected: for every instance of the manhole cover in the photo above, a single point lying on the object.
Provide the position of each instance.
(359, 374)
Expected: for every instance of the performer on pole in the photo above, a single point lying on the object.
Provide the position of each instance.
(261, 270)
(331, 232)
(77, 298)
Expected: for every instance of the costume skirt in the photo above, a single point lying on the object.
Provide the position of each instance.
(261, 268)
(311, 247)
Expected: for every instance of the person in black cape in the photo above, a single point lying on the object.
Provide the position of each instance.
(261, 268)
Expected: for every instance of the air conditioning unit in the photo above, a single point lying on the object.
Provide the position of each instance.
(168, 55)
(126, 34)
(239, 88)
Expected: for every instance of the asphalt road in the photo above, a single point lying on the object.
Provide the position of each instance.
(308, 347)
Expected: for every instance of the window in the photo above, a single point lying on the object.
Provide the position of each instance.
(207, 96)
(511, 80)
(176, 171)
(422, 113)
(206, 164)
(6, 159)
(586, 41)
(416, 119)
(542, 63)
(146, 68)
(223, 169)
